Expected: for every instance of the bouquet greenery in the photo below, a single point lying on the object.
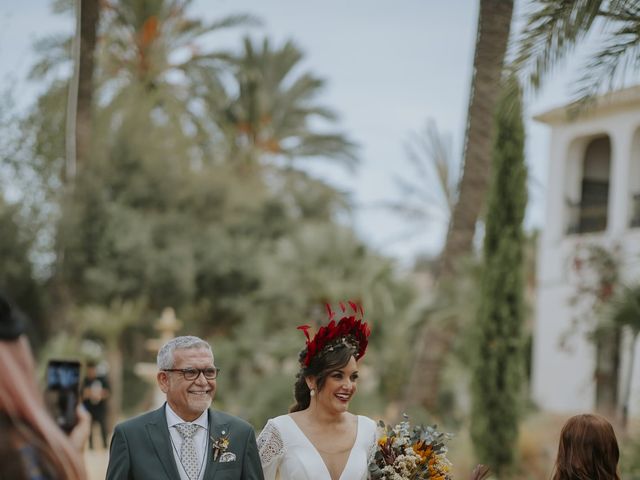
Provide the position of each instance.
(410, 453)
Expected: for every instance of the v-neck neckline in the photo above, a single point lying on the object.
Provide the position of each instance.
(317, 452)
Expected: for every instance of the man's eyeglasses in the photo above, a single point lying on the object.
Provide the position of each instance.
(209, 373)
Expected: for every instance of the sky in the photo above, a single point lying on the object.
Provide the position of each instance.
(389, 67)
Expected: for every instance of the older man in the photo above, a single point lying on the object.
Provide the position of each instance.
(185, 439)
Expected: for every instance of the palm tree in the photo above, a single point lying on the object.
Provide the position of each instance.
(494, 25)
(555, 28)
(434, 342)
(266, 110)
(428, 192)
(151, 56)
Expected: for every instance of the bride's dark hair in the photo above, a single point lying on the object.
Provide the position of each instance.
(319, 367)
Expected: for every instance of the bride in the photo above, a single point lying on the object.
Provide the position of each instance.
(319, 439)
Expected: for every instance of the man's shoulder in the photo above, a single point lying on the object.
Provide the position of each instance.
(141, 420)
(224, 417)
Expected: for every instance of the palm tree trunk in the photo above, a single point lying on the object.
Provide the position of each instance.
(494, 25)
(89, 17)
(434, 343)
(78, 134)
(627, 383)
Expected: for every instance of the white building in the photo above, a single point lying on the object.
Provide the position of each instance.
(593, 195)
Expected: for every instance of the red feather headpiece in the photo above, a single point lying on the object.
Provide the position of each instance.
(349, 331)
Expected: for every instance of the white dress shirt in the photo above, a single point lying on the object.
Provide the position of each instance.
(199, 439)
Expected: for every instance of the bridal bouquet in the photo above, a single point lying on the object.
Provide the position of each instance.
(410, 453)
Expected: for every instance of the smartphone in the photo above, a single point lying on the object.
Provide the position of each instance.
(62, 393)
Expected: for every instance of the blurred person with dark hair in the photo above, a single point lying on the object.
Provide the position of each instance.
(588, 450)
(320, 439)
(32, 447)
(95, 391)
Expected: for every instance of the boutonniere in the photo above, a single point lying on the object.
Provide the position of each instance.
(219, 445)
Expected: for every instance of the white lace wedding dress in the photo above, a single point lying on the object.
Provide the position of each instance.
(287, 454)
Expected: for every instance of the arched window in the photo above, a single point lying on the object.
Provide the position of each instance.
(594, 196)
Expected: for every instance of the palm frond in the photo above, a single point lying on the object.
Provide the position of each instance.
(54, 51)
(417, 190)
(608, 68)
(265, 107)
(429, 154)
(208, 60)
(552, 31)
(189, 31)
(330, 146)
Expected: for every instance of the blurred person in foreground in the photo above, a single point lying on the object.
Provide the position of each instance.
(185, 439)
(320, 439)
(32, 447)
(588, 450)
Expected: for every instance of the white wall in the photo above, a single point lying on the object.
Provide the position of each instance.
(563, 376)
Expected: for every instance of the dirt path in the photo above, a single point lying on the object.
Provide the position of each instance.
(96, 462)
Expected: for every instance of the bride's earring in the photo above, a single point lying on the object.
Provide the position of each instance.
(312, 392)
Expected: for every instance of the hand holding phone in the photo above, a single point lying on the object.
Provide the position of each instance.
(63, 392)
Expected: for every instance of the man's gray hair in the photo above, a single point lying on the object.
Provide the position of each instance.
(165, 354)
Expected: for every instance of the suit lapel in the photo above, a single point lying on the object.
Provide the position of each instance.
(158, 432)
(216, 430)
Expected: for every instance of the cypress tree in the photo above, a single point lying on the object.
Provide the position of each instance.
(499, 364)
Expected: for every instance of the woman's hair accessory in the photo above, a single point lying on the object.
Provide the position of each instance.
(350, 330)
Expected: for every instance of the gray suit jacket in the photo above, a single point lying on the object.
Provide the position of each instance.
(141, 449)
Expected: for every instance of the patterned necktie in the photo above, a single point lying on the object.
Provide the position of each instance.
(188, 453)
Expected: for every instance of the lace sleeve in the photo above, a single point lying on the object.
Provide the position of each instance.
(271, 449)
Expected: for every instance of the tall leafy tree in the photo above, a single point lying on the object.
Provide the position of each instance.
(434, 342)
(499, 364)
(242, 258)
(17, 277)
(145, 55)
